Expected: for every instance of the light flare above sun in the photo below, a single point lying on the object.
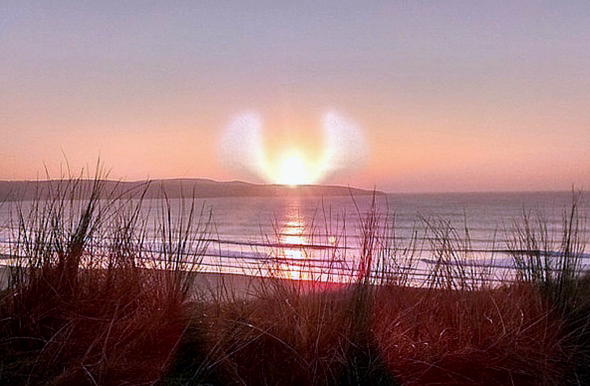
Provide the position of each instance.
(242, 147)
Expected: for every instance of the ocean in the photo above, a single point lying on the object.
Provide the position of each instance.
(326, 238)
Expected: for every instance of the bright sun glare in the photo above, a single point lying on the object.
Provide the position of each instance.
(243, 148)
(293, 170)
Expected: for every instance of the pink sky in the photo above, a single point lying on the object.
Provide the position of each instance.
(453, 97)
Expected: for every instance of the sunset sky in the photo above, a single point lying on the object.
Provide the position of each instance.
(448, 95)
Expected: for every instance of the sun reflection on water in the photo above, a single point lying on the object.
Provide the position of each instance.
(292, 252)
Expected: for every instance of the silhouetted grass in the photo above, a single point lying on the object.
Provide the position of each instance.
(86, 304)
(552, 263)
(100, 295)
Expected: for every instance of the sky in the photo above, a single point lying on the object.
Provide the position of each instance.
(448, 95)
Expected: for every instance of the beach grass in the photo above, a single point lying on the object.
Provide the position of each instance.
(99, 295)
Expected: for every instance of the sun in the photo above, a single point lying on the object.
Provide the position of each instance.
(287, 161)
(293, 170)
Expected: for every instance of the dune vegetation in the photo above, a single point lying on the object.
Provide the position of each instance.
(91, 297)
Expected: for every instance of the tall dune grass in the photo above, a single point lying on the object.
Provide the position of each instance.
(100, 295)
(89, 301)
(455, 328)
(553, 263)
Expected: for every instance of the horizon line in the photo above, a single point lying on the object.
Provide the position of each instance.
(375, 189)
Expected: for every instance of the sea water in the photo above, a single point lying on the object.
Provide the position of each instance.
(330, 238)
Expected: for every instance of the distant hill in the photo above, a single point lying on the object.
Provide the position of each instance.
(174, 188)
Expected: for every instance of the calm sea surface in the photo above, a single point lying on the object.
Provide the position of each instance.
(300, 237)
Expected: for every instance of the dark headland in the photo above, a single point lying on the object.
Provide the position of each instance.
(175, 188)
